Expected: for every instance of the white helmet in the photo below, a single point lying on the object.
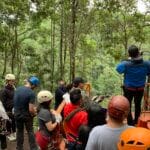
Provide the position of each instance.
(10, 77)
(44, 96)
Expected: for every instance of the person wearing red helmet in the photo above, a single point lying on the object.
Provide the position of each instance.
(24, 111)
(105, 137)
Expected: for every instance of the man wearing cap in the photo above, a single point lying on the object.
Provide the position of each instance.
(7, 94)
(105, 137)
(24, 109)
(78, 82)
(135, 71)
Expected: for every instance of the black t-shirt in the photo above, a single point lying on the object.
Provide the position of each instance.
(6, 96)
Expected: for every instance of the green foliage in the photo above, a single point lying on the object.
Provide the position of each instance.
(32, 40)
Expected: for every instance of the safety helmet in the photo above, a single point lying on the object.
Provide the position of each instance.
(118, 107)
(44, 96)
(34, 80)
(10, 77)
(134, 139)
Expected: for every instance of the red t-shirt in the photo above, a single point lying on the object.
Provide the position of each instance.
(72, 126)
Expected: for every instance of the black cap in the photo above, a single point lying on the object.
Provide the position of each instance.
(78, 80)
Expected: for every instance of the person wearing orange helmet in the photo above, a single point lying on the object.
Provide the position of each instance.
(105, 137)
(134, 139)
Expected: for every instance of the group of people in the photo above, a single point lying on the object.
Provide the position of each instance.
(77, 122)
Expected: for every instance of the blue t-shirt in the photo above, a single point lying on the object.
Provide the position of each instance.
(22, 97)
(134, 73)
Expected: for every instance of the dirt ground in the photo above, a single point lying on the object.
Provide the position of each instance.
(12, 145)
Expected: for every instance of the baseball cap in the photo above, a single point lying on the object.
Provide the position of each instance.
(78, 80)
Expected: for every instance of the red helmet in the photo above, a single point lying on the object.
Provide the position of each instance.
(134, 139)
(118, 107)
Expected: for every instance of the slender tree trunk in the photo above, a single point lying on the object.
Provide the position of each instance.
(52, 52)
(73, 47)
(13, 49)
(61, 41)
(5, 60)
(125, 42)
(19, 64)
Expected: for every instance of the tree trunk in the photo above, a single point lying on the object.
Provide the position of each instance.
(61, 41)
(13, 49)
(72, 46)
(52, 52)
(5, 61)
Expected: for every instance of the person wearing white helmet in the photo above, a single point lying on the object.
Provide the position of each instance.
(24, 111)
(6, 97)
(47, 120)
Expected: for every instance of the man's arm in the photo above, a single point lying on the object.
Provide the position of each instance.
(121, 68)
(32, 109)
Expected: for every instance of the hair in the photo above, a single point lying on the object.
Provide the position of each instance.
(96, 115)
(75, 96)
(133, 51)
(69, 87)
(45, 105)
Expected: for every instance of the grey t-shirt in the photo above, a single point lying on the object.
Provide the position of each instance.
(45, 116)
(104, 138)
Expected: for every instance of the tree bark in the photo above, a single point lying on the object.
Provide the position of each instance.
(73, 47)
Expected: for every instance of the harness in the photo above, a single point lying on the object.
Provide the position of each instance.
(68, 132)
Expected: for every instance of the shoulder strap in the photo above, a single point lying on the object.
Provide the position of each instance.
(73, 113)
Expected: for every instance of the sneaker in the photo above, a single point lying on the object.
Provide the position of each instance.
(11, 137)
(14, 135)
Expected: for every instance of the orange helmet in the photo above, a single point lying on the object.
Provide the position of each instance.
(134, 139)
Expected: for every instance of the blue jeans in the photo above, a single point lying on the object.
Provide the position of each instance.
(28, 123)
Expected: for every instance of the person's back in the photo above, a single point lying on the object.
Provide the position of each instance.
(23, 96)
(135, 71)
(96, 116)
(105, 137)
(76, 121)
(24, 111)
(74, 117)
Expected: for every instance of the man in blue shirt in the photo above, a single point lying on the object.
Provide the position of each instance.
(24, 111)
(135, 71)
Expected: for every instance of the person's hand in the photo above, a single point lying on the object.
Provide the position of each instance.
(54, 112)
(58, 118)
(66, 98)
